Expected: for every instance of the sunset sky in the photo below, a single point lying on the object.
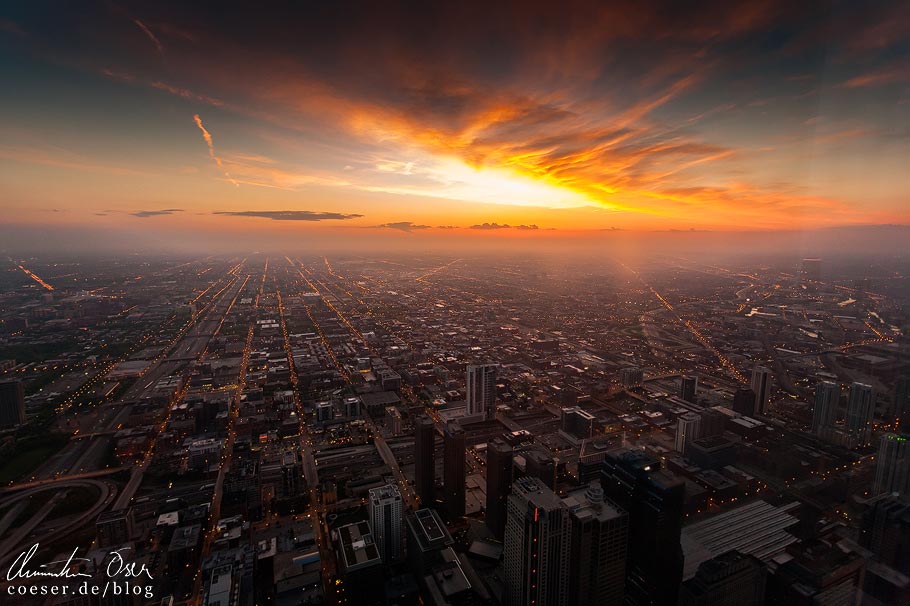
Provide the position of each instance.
(517, 120)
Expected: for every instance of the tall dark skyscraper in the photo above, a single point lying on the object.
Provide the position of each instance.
(499, 484)
(654, 501)
(481, 390)
(827, 396)
(761, 385)
(688, 384)
(860, 413)
(453, 473)
(425, 460)
(541, 465)
(12, 404)
(744, 401)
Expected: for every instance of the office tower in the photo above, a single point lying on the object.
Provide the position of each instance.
(499, 484)
(291, 475)
(427, 537)
(453, 473)
(730, 579)
(481, 396)
(885, 531)
(541, 465)
(901, 408)
(892, 465)
(12, 404)
(688, 384)
(576, 424)
(827, 396)
(761, 385)
(599, 538)
(654, 501)
(536, 546)
(713, 423)
(425, 460)
(386, 521)
(815, 574)
(744, 401)
(860, 414)
(687, 430)
(631, 377)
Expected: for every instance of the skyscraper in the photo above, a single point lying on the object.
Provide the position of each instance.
(713, 423)
(499, 484)
(761, 385)
(453, 473)
(687, 430)
(654, 501)
(597, 553)
(744, 401)
(536, 546)
(481, 392)
(827, 395)
(425, 460)
(688, 384)
(541, 465)
(730, 579)
(12, 404)
(901, 407)
(386, 521)
(860, 413)
(892, 465)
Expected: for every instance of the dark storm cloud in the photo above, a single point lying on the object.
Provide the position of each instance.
(290, 215)
(155, 213)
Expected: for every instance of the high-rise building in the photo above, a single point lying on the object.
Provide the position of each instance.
(827, 396)
(761, 385)
(425, 460)
(453, 473)
(812, 269)
(713, 423)
(599, 534)
(576, 424)
(481, 392)
(536, 546)
(815, 574)
(901, 408)
(427, 537)
(12, 404)
(730, 579)
(744, 401)
(654, 502)
(631, 377)
(687, 430)
(541, 465)
(115, 527)
(860, 414)
(386, 521)
(688, 385)
(892, 465)
(499, 484)
(885, 531)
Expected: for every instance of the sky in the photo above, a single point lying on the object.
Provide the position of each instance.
(523, 120)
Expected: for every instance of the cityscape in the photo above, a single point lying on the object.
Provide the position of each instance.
(454, 304)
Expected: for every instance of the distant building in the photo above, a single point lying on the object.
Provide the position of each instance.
(688, 385)
(827, 397)
(12, 404)
(386, 521)
(812, 269)
(427, 537)
(761, 385)
(901, 408)
(499, 484)
(541, 465)
(885, 531)
(744, 402)
(481, 390)
(576, 424)
(425, 460)
(631, 377)
(730, 579)
(358, 551)
(687, 430)
(654, 501)
(713, 423)
(860, 414)
(892, 465)
(454, 469)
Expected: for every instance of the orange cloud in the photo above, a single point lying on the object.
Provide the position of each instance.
(208, 141)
